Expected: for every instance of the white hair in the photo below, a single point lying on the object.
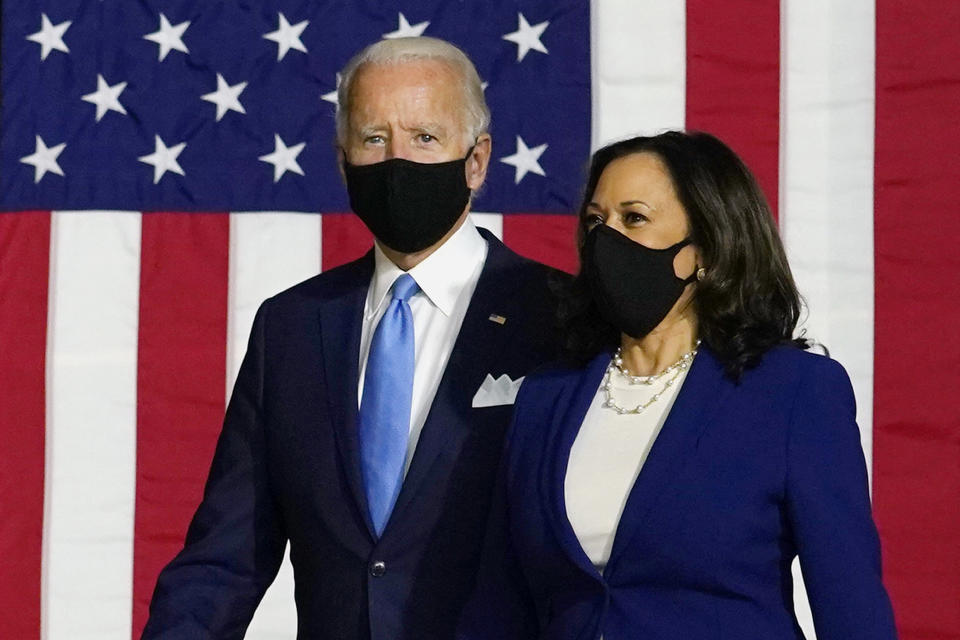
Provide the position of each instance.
(476, 116)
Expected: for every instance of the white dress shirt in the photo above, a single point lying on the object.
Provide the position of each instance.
(606, 459)
(447, 279)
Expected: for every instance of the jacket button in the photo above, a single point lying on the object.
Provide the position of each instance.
(378, 568)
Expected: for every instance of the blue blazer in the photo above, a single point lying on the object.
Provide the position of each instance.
(287, 468)
(742, 478)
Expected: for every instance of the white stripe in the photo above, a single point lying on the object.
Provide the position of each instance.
(492, 222)
(639, 67)
(268, 253)
(91, 426)
(827, 82)
(827, 172)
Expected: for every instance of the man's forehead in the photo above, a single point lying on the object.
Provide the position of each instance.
(408, 86)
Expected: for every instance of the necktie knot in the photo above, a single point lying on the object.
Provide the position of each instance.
(404, 288)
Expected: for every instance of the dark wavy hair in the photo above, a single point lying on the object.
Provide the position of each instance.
(747, 301)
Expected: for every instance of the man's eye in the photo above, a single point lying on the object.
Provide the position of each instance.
(375, 139)
(426, 137)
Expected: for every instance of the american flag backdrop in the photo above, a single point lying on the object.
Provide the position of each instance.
(165, 165)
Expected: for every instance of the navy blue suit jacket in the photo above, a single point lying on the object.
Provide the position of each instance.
(741, 479)
(287, 468)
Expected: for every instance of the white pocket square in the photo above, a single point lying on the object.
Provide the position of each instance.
(497, 392)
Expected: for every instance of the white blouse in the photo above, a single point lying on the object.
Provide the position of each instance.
(607, 456)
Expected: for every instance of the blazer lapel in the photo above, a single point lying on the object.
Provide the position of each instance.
(699, 397)
(341, 317)
(564, 432)
(478, 350)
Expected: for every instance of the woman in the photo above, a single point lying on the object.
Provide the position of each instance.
(661, 486)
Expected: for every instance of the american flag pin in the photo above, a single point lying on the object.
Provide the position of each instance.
(497, 318)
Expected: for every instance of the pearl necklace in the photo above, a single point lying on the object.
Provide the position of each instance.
(616, 366)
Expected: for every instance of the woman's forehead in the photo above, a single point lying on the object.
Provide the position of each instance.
(641, 176)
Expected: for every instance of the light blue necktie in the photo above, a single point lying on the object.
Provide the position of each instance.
(385, 404)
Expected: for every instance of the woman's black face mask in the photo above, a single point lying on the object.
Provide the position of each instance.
(633, 286)
(407, 205)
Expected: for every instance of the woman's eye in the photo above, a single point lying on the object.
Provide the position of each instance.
(592, 221)
(633, 218)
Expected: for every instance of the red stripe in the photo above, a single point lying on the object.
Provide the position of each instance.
(916, 450)
(733, 80)
(550, 239)
(24, 266)
(344, 238)
(181, 379)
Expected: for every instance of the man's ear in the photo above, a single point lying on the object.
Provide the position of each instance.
(341, 158)
(478, 161)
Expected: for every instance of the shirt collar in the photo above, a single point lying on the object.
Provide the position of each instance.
(441, 276)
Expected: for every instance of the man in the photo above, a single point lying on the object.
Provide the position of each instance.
(368, 417)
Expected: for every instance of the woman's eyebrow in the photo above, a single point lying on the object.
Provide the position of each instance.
(627, 203)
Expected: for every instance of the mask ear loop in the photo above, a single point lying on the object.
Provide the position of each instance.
(693, 277)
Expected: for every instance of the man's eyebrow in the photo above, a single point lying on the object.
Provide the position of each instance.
(370, 129)
(427, 127)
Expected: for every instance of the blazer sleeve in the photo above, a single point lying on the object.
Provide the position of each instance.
(501, 606)
(828, 504)
(235, 542)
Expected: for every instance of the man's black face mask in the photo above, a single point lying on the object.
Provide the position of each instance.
(407, 205)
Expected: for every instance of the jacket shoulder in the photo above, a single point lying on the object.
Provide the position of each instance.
(509, 262)
(791, 361)
(803, 377)
(556, 373)
(544, 386)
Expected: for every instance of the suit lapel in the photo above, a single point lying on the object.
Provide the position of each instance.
(341, 317)
(698, 399)
(565, 429)
(478, 350)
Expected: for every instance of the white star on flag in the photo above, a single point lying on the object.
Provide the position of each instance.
(226, 98)
(406, 30)
(287, 36)
(106, 98)
(50, 36)
(164, 159)
(332, 96)
(283, 158)
(525, 160)
(527, 37)
(44, 159)
(169, 37)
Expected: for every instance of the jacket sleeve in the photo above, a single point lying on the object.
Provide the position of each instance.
(501, 607)
(235, 542)
(828, 505)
